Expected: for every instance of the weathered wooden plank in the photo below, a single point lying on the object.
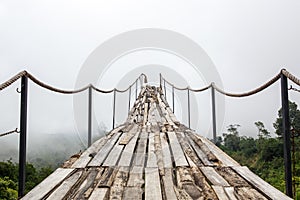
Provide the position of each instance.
(233, 178)
(248, 193)
(158, 152)
(127, 153)
(214, 177)
(127, 136)
(230, 193)
(151, 161)
(152, 184)
(107, 177)
(101, 155)
(219, 190)
(113, 156)
(48, 184)
(165, 151)
(117, 189)
(136, 177)
(140, 154)
(99, 194)
(65, 187)
(134, 193)
(177, 151)
(259, 183)
(169, 185)
(226, 160)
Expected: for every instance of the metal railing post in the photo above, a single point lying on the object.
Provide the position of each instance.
(173, 99)
(165, 90)
(189, 108)
(23, 134)
(129, 99)
(136, 88)
(90, 116)
(213, 104)
(286, 135)
(114, 109)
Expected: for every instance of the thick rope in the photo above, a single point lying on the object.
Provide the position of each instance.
(12, 80)
(291, 76)
(10, 132)
(187, 88)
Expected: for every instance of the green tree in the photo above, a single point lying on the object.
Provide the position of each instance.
(262, 131)
(294, 118)
(232, 139)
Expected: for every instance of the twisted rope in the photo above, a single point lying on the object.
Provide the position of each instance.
(290, 76)
(187, 88)
(10, 132)
(12, 80)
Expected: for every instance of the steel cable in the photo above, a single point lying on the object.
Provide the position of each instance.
(9, 132)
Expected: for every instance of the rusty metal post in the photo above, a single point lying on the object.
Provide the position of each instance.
(213, 104)
(90, 106)
(23, 134)
(189, 108)
(286, 136)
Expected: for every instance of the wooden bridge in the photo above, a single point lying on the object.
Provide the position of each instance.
(153, 156)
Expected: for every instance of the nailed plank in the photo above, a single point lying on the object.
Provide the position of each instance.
(214, 177)
(101, 155)
(219, 190)
(114, 155)
(168, 185)
(127, 153)
(152, 184)
(85, 158)
(99, 194)
(177, 151)
(65, 187)
(151, 161)
(259, 183)
(48, 184)
(165, 151)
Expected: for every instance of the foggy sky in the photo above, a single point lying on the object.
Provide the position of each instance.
(248, 41)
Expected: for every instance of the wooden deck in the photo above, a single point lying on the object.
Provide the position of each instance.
(152, 156)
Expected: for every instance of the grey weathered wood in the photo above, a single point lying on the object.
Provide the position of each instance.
(259, 183)
(151, 162)
(219, 190)
(134, 193)
(85, 158)
(168, 185)
(48, 184)
(99, 194)
(127, 153)
(117, 189)
(152, 184)
(136, 177)
(165, 151)
(101, 155)
(140, 154)
(114, 155)
(177, 151)
(65, 187)
(230, 193)
(214, 177)
(127, 136)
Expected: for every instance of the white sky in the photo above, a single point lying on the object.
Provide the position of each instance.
(248, 41)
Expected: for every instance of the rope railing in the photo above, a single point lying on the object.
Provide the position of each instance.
(9, 132)
(7, 83)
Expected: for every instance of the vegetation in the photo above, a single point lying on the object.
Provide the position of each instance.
(264, 154)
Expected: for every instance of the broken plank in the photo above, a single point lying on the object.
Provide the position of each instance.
(152, 184)
(117, 189)
(177, 151)
(127, 153)
(48, 184)
(101, 155)
(230, 193)
(214, 177)
(220, 192)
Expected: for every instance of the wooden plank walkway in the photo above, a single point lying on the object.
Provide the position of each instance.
(153, 156)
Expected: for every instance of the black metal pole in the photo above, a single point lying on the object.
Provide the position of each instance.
(189, 108)
(90, 116)
(114, 109)
(173, 99)
(23, 133)
(213, 104)
(129, 98)
(286, 136)
(160, 78)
